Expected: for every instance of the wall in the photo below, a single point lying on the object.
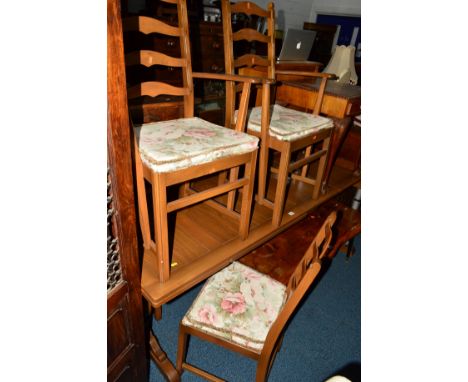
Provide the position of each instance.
(293, 13)
(335, 7)
(289, 13)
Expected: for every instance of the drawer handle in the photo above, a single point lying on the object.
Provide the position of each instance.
(216, 45)
(170, 43)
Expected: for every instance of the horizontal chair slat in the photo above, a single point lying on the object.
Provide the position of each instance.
(204, 195)
(149, 58)
(248, 8)
(249, 35)
(154, 88)
(250, 60)
(301, 162)
(148, 25)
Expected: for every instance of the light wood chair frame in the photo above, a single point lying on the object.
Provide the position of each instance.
(160, 181)
(248, 64)
(298, 285)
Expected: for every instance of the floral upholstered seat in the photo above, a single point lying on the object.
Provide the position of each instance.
(287, 124)
(172, 145)
(237, 304)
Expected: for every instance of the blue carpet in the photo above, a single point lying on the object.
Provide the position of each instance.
(323, 337)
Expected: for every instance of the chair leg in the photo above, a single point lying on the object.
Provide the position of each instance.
(247, 196)
(262, 370)
(184, 189)
(181, 348)
(233, 176)
(321, 169)
(158, 313)
(305, 169)
(222, 177)
(264, 143)
(160, 225)
(262, 172)
(280, 195)
(350, 248)
(142, 200)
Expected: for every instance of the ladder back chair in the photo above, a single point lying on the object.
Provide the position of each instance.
(175, 152)
(246, 311)
(279, 128)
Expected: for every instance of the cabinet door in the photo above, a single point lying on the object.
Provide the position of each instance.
(126, 359)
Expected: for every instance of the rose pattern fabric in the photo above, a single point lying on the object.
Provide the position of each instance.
(233, 303)
(238, 304)
(287, 124)
(172, 145)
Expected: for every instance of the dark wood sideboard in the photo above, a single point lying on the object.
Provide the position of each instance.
(207, 55)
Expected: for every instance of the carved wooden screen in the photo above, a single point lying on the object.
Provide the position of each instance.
(126, 355)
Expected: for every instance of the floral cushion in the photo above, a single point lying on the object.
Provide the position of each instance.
(287, 124)
(237, 304)
(172, 145)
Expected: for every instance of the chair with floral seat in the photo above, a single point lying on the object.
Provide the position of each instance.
(178, 151)
(281, 129)
(246, 311)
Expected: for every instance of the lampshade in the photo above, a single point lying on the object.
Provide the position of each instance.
(342, 65)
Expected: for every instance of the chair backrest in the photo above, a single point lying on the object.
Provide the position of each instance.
(299, 283)
(149, 58)
(242, 64)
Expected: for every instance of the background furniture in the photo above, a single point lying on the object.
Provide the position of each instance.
(322, 49)
(238, 289)
(349, 156)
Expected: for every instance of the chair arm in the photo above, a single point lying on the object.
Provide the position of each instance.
(307, 74)
(232, 77)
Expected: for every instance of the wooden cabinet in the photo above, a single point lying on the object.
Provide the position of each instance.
(349, 156)
(322, 48)
(207, 54)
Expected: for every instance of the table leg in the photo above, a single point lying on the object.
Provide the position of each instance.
(340, 131)
(162, 362)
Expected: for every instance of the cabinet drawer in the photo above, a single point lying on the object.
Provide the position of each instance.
(212, 45)
(168, 45)
(213, 64)
(169, 74)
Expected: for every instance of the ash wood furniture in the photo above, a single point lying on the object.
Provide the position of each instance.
(340, 101)
(126, 350)
(174, 153)
(309, 133)
(231, 289)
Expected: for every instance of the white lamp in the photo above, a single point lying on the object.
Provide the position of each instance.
(342, 65)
